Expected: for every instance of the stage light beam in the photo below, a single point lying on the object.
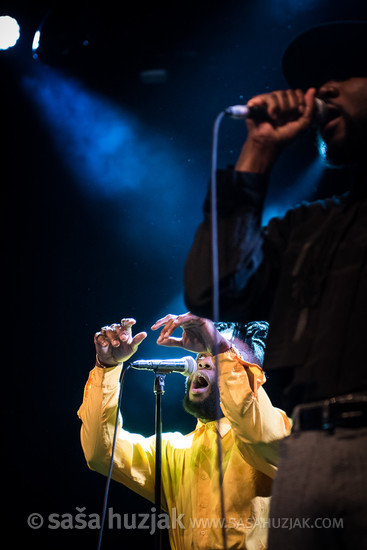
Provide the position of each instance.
(9, 32)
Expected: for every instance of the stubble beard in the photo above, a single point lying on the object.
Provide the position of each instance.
(206, 409)
(351, 149)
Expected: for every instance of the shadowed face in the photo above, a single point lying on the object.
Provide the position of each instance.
(345, 129)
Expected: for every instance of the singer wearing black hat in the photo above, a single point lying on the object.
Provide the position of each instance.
(306, 274)
(248, 425)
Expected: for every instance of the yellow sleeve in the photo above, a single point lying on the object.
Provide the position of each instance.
(257, 424)
(134, 457)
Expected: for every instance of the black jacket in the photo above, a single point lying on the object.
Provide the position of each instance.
(305, 273)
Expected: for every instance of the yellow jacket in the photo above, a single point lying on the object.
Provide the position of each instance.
(250, 432)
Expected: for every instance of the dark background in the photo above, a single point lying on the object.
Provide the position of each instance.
(102, 184)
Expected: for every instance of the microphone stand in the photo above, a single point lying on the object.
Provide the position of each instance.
(159, 391)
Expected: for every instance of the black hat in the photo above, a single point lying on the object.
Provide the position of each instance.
(335, 50)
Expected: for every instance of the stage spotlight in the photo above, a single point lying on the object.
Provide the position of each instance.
(9, 32)
(35, 43)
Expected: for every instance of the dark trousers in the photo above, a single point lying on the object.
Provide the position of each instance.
(319, 498)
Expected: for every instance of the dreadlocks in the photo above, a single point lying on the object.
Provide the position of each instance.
(253, 334)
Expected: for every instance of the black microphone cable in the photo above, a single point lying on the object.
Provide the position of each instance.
(215, 282)
(109, 476)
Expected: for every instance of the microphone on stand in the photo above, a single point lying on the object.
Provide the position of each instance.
(260, 113)
(185, 365)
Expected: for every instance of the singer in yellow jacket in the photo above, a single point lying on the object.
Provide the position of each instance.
(249, 428)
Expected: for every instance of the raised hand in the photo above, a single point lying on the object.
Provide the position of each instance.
(290, 113)
(115, 343)
(198, 334)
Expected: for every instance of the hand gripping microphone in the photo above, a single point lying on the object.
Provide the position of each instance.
(259, 113)
(185, 365)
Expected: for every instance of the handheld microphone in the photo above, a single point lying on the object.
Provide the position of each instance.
(185, 365)
(260, 113)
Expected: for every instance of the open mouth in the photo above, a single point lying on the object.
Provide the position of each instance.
(199, 383)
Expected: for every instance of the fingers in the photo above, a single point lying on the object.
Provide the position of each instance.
(115, 334)
(174, 320)
(282, 106)
(115, 343)
(161, 322)
(309, 98)
(193, 328)
(170, 342)
(171, 322)
(137, 340)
